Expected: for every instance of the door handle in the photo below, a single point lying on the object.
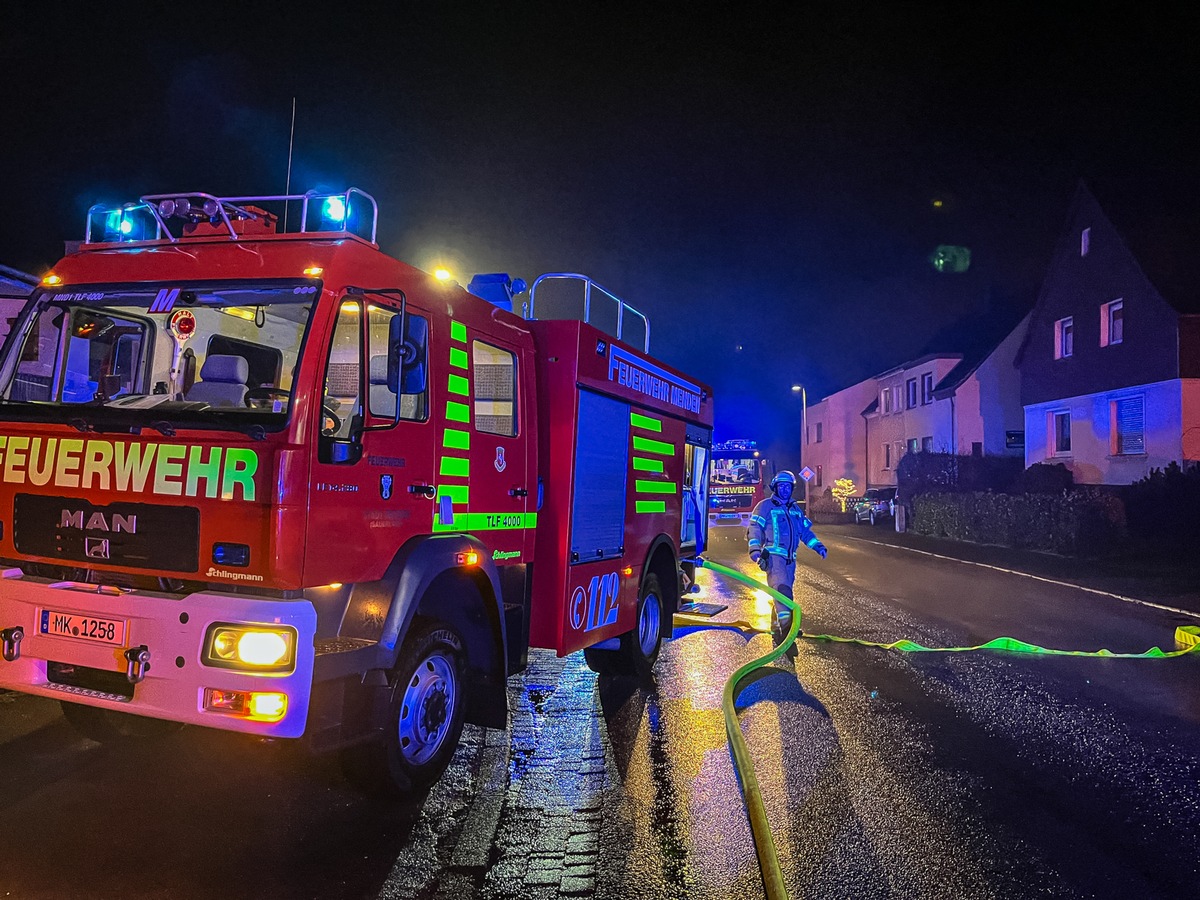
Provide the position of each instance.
(518, 492)
(425, 490)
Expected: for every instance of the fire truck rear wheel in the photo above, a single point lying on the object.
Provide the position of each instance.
(105, 726)
(639, 647)
(426, 718)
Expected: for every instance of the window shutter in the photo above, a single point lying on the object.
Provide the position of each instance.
(1131, 426)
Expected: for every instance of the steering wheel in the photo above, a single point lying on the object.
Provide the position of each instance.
(266, 393)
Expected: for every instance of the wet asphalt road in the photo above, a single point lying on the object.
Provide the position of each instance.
(885, 775)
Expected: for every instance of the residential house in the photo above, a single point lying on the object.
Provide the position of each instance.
(1110, 366)
(947, 403)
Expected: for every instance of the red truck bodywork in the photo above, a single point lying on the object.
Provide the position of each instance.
(439, 516)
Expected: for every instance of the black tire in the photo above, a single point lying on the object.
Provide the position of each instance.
(639, 646)
(425, 720)
(105, 726)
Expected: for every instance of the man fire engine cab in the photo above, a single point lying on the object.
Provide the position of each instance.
(283, 484)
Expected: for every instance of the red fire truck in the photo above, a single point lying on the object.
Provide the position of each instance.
(281, 483)
(740, 478)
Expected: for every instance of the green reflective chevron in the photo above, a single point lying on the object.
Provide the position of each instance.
(457, 412)
(456, 440)
(458, 332)
(458, 358)
(457, 493)
(477, 521)
(453, 465)
(458, 385)
(639, 421)
(646, 445)
(647, 465)
(656, 487)
(651, 506)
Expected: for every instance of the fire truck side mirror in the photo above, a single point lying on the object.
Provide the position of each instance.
(406, 371)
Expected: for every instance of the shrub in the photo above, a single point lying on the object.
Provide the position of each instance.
(922, 473)
(1043, 478)
(1084, 521)
(1164, 507)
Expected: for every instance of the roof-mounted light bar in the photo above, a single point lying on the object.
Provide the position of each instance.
(350, 212)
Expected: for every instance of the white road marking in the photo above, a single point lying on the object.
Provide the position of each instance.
(1069, 584)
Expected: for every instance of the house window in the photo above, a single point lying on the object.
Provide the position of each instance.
(1084, 241)
(926, 388)
(1060, 433)
(911, 389)
(1112, 323)
(1127, 418)
(927, 444)
(819, 476)
(977, 448)
(885, 401)
(887, 456)
(913, 445)
(1064, 338)
(819, 429)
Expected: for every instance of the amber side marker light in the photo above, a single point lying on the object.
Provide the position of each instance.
(51, 279)
(469, 558)
(314, 271)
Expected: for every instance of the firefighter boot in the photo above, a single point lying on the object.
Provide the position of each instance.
(781, 624)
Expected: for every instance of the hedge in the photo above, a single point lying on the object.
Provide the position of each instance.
(1082, 521)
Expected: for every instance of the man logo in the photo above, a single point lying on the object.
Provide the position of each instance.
(97, 522)
(385, 486)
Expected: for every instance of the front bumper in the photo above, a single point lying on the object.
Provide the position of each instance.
(173, 630)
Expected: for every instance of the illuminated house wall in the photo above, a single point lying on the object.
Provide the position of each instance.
(897, 421)
(1093, 457)
(1113, 346)
(841, 451)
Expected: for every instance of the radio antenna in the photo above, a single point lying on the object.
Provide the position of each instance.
(288, 184)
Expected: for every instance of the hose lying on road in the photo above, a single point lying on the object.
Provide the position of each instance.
(764, 843)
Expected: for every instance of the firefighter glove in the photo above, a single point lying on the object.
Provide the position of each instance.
(821, 549)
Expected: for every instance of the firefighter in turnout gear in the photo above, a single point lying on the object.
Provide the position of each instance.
(778, 527)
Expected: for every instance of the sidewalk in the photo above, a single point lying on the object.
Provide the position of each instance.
(1170, 581)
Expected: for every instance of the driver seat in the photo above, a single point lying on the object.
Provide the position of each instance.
(222, 381)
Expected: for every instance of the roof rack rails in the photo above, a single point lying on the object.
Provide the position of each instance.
(588, 286)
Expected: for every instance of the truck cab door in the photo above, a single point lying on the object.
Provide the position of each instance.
(498, 430)
(372, 468)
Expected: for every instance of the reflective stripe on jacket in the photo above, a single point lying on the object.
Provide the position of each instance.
(779, 528)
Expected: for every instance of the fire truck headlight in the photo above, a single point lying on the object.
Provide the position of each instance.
(252, 647)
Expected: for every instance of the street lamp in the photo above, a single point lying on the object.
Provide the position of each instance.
(799, 389)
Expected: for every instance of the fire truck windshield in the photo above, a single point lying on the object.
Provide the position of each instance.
(207, 354)
(735, 470)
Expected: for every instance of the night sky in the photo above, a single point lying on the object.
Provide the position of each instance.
(748, 178)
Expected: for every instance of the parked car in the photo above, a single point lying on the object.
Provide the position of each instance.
(877, 504)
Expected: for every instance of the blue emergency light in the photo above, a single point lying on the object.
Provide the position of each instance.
(121, 224)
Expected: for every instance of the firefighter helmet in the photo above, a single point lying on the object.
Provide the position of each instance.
(784, 477)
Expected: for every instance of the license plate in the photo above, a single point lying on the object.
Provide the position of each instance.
(83, 628)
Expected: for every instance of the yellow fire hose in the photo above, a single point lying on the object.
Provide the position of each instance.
(1188, 636)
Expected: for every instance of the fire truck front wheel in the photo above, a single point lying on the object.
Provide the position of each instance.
(426, 717)
(105, 726)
